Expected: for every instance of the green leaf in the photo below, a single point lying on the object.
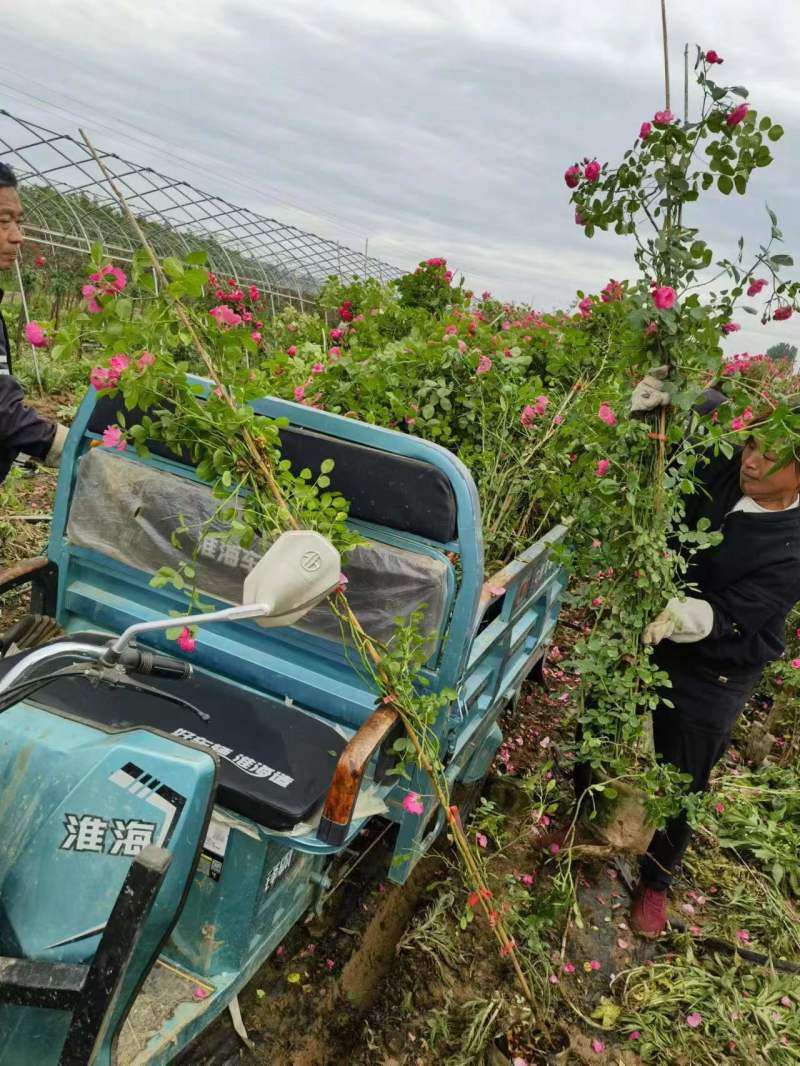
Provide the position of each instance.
(197, 258)
(172, 267)
(123, 308)
(428, 411)
(741, 184)
(326, 466)
(782, 259)
(724, 184)
(775, 133)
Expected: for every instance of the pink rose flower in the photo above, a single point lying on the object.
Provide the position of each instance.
(299, 393)
(113, 277)
(712, 57)
(644, 131)
(527, 416)
(597, 601)
(585, 307)
(612, 291)
(145, 359)
(481, 840)
(755, 287)
(255, 337)
(254, 293)
(731, 327)
(733, 118)
(484, 365)
(606, 414)
(112, 438)
(291, 350)
(572, 175)
(412, 802)
(795, 664)
(317, 368)
(782, 313)
(602, 468)
(186, 641)
(579, 219)
(651, 328)
(663, 118)
(664, 297)
(693, 1020)
(334, 352)
(598, 1047)
(119, 362)
(102, 378)
(592, 171)
(336, 334)
(35, 335)
(540, 405)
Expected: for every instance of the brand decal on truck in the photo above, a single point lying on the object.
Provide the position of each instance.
(109, 836)
(241, 761)
(101, 835)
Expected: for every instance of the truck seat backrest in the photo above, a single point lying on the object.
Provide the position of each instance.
(401, 493)
(147, 518)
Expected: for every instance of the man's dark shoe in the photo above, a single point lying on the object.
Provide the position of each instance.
(649, 911)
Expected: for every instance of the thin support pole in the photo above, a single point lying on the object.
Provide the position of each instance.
(686, 84)
(27, 319)
(666, 52)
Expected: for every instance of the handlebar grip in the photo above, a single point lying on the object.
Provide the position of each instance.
(148, 663)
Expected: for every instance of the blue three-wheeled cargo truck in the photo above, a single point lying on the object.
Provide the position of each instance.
(166, 819)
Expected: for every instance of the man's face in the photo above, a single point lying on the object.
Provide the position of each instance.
(755, 480)
(10, 227)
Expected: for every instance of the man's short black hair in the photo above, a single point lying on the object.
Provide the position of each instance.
(8, 179)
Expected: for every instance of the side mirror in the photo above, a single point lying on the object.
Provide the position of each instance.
(300, 569)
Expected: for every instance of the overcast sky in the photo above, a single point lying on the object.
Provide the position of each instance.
(438, 127)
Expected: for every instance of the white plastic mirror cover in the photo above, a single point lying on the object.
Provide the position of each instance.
(298, 570)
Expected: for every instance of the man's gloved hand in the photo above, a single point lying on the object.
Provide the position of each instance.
(53, 457)
(682, 621)
(650, 393)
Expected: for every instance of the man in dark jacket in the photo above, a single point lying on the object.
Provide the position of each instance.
(715, 644)
(21, 429)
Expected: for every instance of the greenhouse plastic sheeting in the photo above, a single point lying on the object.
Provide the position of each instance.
(148, 518)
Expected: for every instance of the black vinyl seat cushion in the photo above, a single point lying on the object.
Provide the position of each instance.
(275, 761)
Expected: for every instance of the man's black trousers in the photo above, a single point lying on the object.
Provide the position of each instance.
(693, 735)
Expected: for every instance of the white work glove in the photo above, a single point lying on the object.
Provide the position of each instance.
(53, 457)
(682, 621)
(650, 393)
